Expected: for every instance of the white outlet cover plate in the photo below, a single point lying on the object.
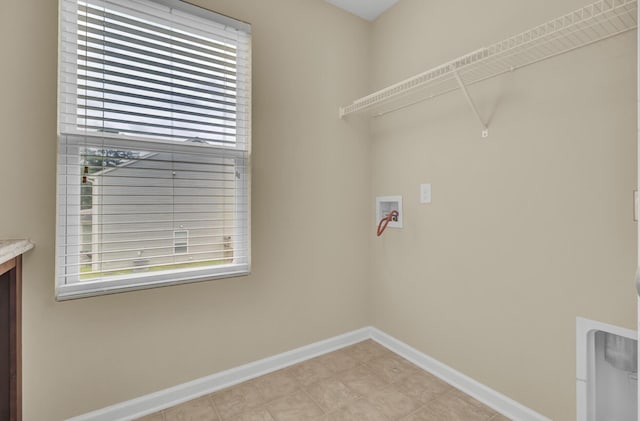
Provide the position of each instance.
(425, 193)
(384, 205)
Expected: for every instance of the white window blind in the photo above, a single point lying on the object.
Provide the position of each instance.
(154, 140)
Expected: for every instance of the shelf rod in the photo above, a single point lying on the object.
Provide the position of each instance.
(485, 129)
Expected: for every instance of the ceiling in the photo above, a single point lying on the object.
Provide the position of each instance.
(366, 9)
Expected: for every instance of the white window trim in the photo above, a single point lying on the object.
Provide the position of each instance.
(241, 236)
(144, 281)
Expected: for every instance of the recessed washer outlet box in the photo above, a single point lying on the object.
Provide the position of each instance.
(606, 372)
(384, 206)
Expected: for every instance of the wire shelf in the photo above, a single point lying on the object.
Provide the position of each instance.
(587, 25)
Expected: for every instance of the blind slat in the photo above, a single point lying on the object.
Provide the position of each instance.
(207, 89)
(118, 96)
(158, 76)
(216, 38)
(150, 241)
(154, 59)
(131, 105)
(123, 38)
(213, 122)
(167, 94)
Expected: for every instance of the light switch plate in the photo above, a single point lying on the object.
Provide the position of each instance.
(425, 193)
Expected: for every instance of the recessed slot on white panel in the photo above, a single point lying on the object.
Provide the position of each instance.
(385, 205)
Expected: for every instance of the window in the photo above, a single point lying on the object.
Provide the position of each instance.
(153, 146)
(180, 242)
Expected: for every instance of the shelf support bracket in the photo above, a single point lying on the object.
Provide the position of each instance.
(485, 129)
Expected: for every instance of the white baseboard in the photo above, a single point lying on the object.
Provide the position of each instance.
(493, 399)
(163, 399)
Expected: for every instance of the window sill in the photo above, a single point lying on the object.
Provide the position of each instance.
(121, 284)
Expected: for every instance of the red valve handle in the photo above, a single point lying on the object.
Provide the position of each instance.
(382, 225)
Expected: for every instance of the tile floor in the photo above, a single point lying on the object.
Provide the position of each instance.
(363, 382)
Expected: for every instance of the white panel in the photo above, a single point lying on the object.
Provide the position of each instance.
(585, 361)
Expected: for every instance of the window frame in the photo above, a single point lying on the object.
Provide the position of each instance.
(68, 287)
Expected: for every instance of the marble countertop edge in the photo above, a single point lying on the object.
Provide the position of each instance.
(12, 248)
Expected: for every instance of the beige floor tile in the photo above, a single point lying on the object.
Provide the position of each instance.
(367, 350)
(362, 380)
(453, 406)
(338, 361)
(153, 417)
(360, 410)
(500, 417)
(196, 410)
(296, 407)
(392, 368)
(276, 385)
(237, 399)
(331, 394)
(253, 415)
(393, 403)
(426, 414)
(423, 386)
(309, 372)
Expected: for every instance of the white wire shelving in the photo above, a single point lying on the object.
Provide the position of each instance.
(587, 25)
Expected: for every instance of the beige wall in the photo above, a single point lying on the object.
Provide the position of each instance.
(310, 244)
(528, 228)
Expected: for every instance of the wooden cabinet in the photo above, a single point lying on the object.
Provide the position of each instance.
(11, 328)
(11, 339)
